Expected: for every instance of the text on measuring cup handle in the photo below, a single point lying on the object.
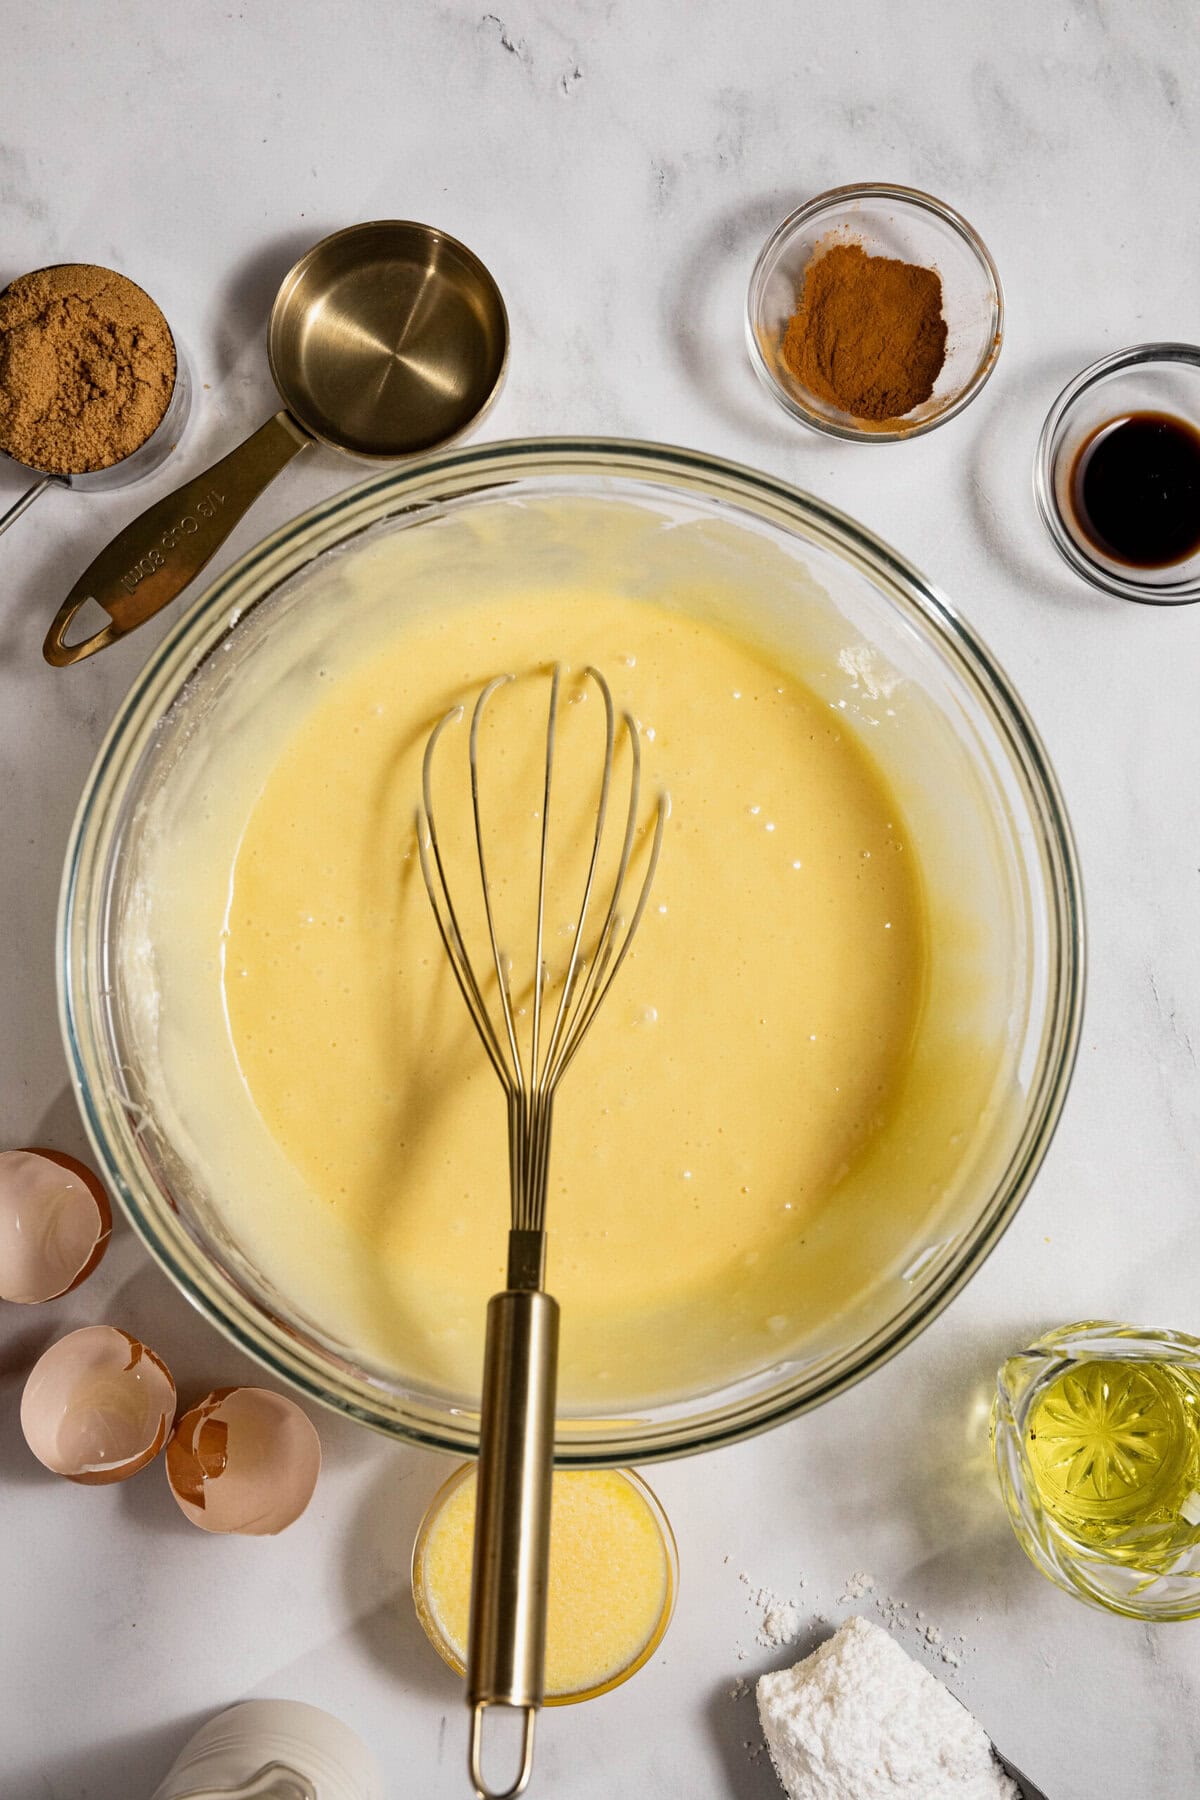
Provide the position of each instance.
(206, 507)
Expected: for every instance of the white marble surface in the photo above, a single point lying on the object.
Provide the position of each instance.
(618, 164)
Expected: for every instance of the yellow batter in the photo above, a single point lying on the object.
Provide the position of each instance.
(746, 1055)
(803, 1077)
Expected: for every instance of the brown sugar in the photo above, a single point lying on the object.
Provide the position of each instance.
(87, 368)
(868, 335)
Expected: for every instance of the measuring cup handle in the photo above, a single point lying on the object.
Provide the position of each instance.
(27, 499)
(151, 561)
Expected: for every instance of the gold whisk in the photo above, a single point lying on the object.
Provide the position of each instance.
(507, 1634)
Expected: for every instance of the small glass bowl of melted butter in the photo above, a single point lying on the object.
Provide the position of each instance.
(614, 1573)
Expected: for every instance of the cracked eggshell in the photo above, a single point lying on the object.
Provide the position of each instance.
(97, 1406)
(55, 1223)
(245, 1459)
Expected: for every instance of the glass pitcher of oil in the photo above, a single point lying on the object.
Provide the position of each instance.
(1096, 1431)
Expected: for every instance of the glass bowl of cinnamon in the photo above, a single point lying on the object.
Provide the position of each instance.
(875, 313)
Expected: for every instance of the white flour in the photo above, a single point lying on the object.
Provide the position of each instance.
(779, 1616)
(780, 1625)
(860, 1720)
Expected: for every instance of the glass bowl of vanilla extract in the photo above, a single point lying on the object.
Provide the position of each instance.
(1117, 476)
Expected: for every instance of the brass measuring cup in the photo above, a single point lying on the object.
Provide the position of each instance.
(385, 340)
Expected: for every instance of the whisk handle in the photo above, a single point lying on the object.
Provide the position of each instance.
(506, 1650)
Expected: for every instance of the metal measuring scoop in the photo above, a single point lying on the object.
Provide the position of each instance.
(385, 340)
(149, 455)
(1028, 1791)
(1025, 1787)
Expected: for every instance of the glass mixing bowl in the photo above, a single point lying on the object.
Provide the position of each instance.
(878, 644)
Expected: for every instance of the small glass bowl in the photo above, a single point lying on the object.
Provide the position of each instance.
(1159, 378)
(887, 221)
(1081, 1569)
(446, 1650)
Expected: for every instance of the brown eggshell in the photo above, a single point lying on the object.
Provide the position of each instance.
(245, 1460)
(55, 1223)
(97, 1406)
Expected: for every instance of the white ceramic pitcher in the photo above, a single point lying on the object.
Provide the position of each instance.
(273, 1750)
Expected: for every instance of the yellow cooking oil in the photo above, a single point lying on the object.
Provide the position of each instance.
(1114, 1448)
(611, 1587)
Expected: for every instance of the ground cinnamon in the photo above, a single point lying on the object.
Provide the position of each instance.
(868, 334)
(87, 368)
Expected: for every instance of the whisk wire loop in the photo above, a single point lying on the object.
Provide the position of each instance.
(442, 902)
(540, 972)
(573, 966)
(502, 973)
(612, 963)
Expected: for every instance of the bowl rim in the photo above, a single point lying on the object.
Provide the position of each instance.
(1095, 573)
(832, 200)
(656, 1434)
